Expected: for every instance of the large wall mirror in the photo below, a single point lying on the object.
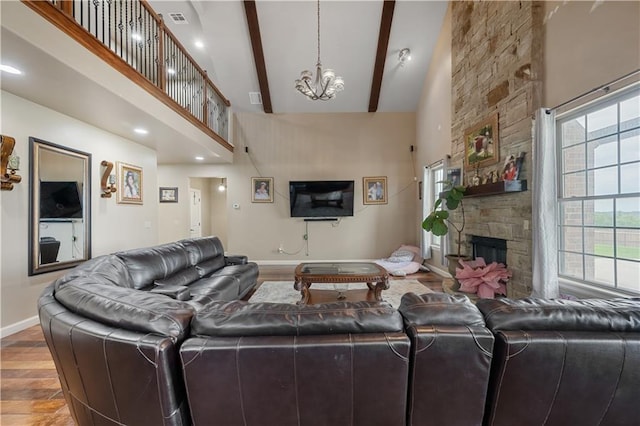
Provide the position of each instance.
(60, 207)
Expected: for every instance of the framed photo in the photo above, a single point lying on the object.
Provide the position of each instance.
(374, 190)
(129, 184)
(481, 144)
(168, 194)
(262, 190)
(454, 175)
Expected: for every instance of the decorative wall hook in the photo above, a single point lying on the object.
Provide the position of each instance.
(108, 181)
(9, 164)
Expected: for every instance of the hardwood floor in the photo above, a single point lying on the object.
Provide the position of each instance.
(30, 391)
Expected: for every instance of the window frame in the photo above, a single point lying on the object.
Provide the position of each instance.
(588, 168)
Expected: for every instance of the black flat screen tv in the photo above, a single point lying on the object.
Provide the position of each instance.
(60, 200)
(326, 198)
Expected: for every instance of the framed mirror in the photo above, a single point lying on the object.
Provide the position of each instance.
(59, 207)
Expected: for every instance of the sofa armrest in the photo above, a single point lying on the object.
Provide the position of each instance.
(178, 292)
(235, 259)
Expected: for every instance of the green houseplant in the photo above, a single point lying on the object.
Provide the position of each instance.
(438, 221)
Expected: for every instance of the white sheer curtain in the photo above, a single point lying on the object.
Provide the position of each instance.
(545, 204)
(427, 202)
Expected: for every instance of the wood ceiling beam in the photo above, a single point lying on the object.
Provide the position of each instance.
(258, 55)
(383, 43)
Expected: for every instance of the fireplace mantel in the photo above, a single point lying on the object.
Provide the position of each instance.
(497, 188)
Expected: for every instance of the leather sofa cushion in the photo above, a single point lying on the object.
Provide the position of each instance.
(202, 249)
(108, 268)
(222, 288)
(239, 318)
(178, 292)
(439, 309)
(246, 274)
(125, 308)
(620, 315)
(210, 266)
(180, 278)
(154, 263)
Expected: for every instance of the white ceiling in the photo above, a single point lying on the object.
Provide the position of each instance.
(349, 37)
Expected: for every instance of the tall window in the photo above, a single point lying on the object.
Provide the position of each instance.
(599, 193)
(437, 176)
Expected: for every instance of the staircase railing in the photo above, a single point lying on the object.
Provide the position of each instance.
(130, 36)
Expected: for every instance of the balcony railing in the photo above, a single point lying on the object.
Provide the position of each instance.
(130, 31)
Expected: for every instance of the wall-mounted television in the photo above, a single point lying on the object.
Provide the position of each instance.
(326, 198)
(60, 200)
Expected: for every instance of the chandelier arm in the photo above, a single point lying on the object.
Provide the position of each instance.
(312, 91)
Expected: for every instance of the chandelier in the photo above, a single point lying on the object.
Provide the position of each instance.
(326, 83)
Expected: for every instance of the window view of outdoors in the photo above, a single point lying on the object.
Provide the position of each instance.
(599, 223)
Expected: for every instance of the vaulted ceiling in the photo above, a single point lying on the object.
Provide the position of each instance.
(350, 32)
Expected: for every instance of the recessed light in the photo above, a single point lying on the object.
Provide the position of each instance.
(141, 131)
(171, 71)
(199, 158)
(9, 69)
(136, 37)
(199, 44)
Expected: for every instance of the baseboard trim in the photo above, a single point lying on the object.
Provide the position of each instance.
(439, 271)
(299, 261)
(19, 326)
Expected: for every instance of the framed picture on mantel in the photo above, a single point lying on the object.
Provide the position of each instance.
(481, 144)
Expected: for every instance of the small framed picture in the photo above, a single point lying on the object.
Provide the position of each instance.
(168, 194)
(129, 184)
(454, 175)
(262, 190)
(374, 190)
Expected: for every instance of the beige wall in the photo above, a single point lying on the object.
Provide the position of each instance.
(114, 226)
(310, 146)
(588, 44)
(433, 127)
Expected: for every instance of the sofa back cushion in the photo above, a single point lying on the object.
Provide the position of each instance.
(622, 315)
(203, 249)
(146, 265)
(105, 269)
(239, 318)
(125, 308)
(439, 309)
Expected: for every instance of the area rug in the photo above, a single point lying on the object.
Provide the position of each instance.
(283, 291)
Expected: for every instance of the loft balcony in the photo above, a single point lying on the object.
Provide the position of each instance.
(115, 65)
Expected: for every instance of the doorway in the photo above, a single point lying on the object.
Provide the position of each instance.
(195, 211)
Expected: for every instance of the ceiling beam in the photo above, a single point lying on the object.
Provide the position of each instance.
(258, 54)
(383, 43)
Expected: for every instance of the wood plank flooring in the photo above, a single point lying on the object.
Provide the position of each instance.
(29, 388)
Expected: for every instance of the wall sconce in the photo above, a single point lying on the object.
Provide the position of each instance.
(108, 181)
(404, 55)
(9, 164)
(222, 187)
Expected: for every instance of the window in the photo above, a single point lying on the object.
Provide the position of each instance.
(599, 193)
(437, 176)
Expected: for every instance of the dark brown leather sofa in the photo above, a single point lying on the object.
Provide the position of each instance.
(115, 323)
(158, 336)
(341, 363)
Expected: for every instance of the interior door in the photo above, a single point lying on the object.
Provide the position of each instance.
(195, 203)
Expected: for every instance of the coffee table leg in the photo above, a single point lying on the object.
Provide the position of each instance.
(382, 285)
(303, 287)
(371, 286)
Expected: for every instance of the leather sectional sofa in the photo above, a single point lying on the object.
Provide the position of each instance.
(159, 336)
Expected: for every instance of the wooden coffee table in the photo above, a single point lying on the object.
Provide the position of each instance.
(374, 275)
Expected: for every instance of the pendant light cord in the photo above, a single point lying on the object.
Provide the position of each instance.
(318, 32)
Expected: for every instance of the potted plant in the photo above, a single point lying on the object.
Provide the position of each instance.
(438, 221)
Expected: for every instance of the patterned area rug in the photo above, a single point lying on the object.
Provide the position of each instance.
(283, 291)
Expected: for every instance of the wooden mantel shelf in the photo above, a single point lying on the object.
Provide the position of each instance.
(502, 187)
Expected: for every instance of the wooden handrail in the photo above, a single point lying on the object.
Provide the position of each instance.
(60, 14)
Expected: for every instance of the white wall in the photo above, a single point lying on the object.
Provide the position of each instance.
(588, 44)
(433, 126)
(314, 147)
(114, 226)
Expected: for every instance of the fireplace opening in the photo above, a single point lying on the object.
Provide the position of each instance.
(490, 249)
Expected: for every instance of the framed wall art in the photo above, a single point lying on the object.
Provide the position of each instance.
(129, 184)
(262, 190)
(374, 190)
(168, 194)
(481, 144)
